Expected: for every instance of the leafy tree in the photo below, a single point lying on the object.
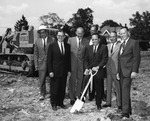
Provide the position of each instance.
(22, 23)
(110, 23)
(83, 18)
(140, 30)
(52, 20)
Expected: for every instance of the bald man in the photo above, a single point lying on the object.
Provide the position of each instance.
(77, 45)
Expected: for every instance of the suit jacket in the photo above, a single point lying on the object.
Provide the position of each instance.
(57, 63)
(129, 60)
(100, 58)
(40, 55)
(112, 64)
(77, 55)
(103, 40)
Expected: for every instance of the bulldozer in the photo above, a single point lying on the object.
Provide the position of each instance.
(16, 51)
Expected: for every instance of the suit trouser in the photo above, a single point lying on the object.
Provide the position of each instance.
(42, 82)
(125, 83)
(75, 82)
(98, 83)
(110, 79)
(99, 89)
(57, 90)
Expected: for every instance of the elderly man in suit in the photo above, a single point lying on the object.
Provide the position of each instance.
(96, 57)
(129, 61)
(59, 66)
(77, 45)
(112, 69)
(40, 57)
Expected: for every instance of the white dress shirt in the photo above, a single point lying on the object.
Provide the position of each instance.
(96, 47)
(59, 44)
(78, 42)
(45, 41)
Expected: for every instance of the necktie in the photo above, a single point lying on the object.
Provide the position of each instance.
(79, 44)
(44, 44)
(112, 48)
(122, 47)
(62, 50)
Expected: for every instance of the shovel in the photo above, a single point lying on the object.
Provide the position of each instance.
(79, 103)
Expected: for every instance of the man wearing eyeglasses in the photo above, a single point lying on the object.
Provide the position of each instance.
(59, 67)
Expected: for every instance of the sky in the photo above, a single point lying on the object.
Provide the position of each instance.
(117, 10)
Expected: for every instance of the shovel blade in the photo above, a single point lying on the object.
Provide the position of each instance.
(77, 106)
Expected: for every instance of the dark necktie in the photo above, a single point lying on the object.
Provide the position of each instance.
(44, 44)
(62, 50)
(79, 43)
(123, 46)
(112, 48)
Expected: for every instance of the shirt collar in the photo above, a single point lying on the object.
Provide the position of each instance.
(60, 42)
(126, 41)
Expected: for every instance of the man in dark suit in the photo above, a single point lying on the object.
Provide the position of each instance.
(96, 57)
(94, 29)
(77, 45)
(40, 57)
(129, 61)
(59, 66)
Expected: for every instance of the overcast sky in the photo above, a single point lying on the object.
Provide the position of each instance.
(117, 10)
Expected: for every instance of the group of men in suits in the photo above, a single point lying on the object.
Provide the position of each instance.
(76, 57)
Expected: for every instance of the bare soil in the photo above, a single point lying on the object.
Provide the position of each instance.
(19, 101)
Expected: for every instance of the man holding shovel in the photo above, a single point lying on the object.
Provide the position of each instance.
(96, 57)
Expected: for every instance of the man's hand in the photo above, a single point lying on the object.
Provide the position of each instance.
(95, 68)
(69, 74)
(86, 72)
(133, 75)
(117, 76)
(51, 74)
(36, 68)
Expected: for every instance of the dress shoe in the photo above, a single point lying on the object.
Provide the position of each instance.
(125, 115)
(91, 98)
(72, 102)
(63, 106)
(99, 107)
(41, 97)
(105, 105)
(119, 107)
(54, 108)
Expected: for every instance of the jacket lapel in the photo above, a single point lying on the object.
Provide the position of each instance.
(116, 47)
(57, 47)
(109, 49)
(127, 45)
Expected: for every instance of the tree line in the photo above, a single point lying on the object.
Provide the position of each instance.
(139, 22)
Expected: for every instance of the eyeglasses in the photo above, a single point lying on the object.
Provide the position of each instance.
(60, 36)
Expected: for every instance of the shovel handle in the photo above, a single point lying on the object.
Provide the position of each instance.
(90, 79)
